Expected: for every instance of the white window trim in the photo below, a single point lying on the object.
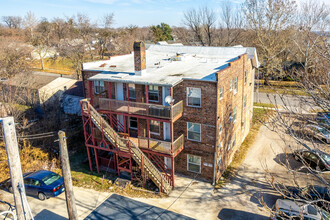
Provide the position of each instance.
(200, 164)
(152, 91)
(235, 85)
(219, 128)
(221, 97)
(233, 141)
(234, 118)
(200, 102)
(200, 134)
(155, 132)
(231, 85)
(99, 86)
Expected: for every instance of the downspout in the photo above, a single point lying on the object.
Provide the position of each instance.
(216, 132)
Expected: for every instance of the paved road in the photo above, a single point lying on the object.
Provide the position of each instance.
(287, 102)
(53, 74)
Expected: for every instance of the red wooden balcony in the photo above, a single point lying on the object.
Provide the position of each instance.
(146, 109)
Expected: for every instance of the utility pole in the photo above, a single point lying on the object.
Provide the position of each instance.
(14, 162)
(70, 200)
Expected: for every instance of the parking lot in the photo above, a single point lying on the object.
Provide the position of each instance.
(246, 196)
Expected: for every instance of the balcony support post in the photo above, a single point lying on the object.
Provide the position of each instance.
(172, 160)
(96, 160)
(171, 122)
(90, 91)
(109, 90)
(147, 93)
(127, 92)
(148, 132)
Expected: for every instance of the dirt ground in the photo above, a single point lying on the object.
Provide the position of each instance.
(238, 199)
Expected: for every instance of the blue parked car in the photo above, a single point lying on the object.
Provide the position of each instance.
(42, 183)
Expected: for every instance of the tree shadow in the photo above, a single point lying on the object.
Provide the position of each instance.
(228, 214)
(288, 161)
(46, 214)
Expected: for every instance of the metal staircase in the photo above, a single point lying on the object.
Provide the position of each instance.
(127, 145)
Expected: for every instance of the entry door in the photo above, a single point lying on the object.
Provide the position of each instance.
(167, 131)
(168, 162)
(120, 96)
(166, 92)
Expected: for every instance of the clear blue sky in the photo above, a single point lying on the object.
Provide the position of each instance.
(136, 12)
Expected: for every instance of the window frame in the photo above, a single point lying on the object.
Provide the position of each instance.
(221, 93)
(200, 98)
(153, 91)
(200, 132)
(97, 84)
(131, 85)
(235, 85)
(245, 77)
(244, 101)
(200, 163)
(155, 133)
(130, 127)
(220, 126)
(233, 142)
(234, 114)
(231, 85)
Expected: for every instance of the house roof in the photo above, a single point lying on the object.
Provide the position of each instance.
(76, 90)
(167, 65)
(33, 81)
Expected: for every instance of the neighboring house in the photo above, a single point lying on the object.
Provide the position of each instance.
(34, 89)
(186, 108)
(43, 52)
(70, 100)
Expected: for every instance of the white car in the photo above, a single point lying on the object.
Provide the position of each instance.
(289, 209)
(317, 132)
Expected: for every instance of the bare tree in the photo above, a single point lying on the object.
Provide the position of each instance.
(271, 22)
(12, 21)
(209, 18)
(194, 20)
(30, 23)
(230, 25)
(105, 34)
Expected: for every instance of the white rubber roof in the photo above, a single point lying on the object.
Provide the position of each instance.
(199, 63)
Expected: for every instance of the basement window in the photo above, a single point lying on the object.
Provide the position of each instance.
(154, 127)
(153, 93)
(194, 163)
(98, 86)
(220, 127)
(234, 141)
(193, 97)
(235, 85)
(133, 123)
(131, 91)
(193, 131)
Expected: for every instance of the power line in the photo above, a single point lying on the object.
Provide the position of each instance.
(36, 136)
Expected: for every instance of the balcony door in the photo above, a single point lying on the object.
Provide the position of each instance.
(120, 96)
(166, 92)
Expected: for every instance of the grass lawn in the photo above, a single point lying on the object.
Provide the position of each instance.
(259, 116)
(266, 105)
(60, 65)
(102, 181)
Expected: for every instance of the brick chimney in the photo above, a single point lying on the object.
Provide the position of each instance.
(139, 58)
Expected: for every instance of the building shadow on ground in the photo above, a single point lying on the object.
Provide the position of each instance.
(232, 214)
(46, 214)
(288, 161)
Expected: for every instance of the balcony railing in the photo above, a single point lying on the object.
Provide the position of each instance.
(159, 145)
(138, 108)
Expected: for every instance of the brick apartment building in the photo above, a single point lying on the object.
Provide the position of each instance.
(168, 109)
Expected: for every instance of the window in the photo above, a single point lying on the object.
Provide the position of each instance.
(228, 146)
(220, 145)
(194, 131)
(194, 163)
(219, 161)
(235, 85)
(220, 127)
(221, 93)
(231, 85)
(243, 125)
(98, 86)
(154, 127)
(131, 91)
(245, 77)
(133, 123)
(153, 93)
(234, 114)
(193, 97)
(234, 141)
(244, 101)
